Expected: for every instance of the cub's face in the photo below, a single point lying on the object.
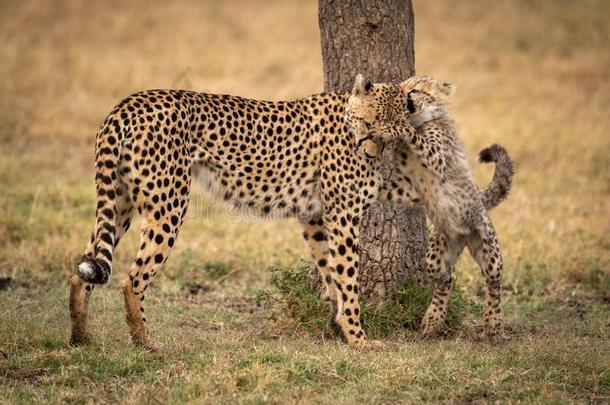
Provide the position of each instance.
(427, 98)
(374, 108)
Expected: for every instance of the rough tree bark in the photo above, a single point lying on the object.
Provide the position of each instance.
(375, 38)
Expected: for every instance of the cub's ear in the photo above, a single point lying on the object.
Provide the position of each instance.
(360, 86)
(447, 88)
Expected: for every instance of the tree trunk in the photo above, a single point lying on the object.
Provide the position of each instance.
(375, 38)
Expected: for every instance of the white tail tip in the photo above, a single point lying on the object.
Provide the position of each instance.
(86, 270)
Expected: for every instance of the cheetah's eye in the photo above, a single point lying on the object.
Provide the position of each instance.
(367, 125)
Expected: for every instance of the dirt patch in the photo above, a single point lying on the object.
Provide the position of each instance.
(31, 376)
(242, 305)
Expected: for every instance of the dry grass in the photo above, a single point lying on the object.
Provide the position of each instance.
(532, 75)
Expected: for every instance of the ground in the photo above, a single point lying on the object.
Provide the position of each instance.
(531, 75)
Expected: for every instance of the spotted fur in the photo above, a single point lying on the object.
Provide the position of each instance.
(452, 200)
(293, 158)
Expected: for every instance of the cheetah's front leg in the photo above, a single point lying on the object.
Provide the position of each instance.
(343, 260)
(429, 152)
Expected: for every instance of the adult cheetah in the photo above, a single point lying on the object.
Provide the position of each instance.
(295, 158)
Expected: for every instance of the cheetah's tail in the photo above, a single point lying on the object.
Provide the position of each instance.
(497, 190)
(98, 267)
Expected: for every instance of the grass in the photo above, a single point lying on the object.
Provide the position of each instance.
(531, 75)
(213, 354)
(293, 295)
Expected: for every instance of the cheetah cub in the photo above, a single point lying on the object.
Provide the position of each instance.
(453, 202)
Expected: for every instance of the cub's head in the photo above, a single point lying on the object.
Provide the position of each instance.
(373, 108)
(427, 98)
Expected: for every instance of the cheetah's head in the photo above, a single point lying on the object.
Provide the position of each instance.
(427, 98)
(372, 109)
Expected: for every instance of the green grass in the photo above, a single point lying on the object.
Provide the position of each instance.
(219, 353)
(294, 298)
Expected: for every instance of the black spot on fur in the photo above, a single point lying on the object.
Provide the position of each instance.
(319, 236)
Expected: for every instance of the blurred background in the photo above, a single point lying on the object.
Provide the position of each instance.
(532, 75)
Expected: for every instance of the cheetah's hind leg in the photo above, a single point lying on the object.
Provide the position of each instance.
(486, 252)
(440, 260)
(80, 290)
(157, 237)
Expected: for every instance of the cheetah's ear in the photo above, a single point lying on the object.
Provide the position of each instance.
(360, 86)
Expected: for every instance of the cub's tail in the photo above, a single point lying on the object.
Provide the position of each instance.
(497, 190)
